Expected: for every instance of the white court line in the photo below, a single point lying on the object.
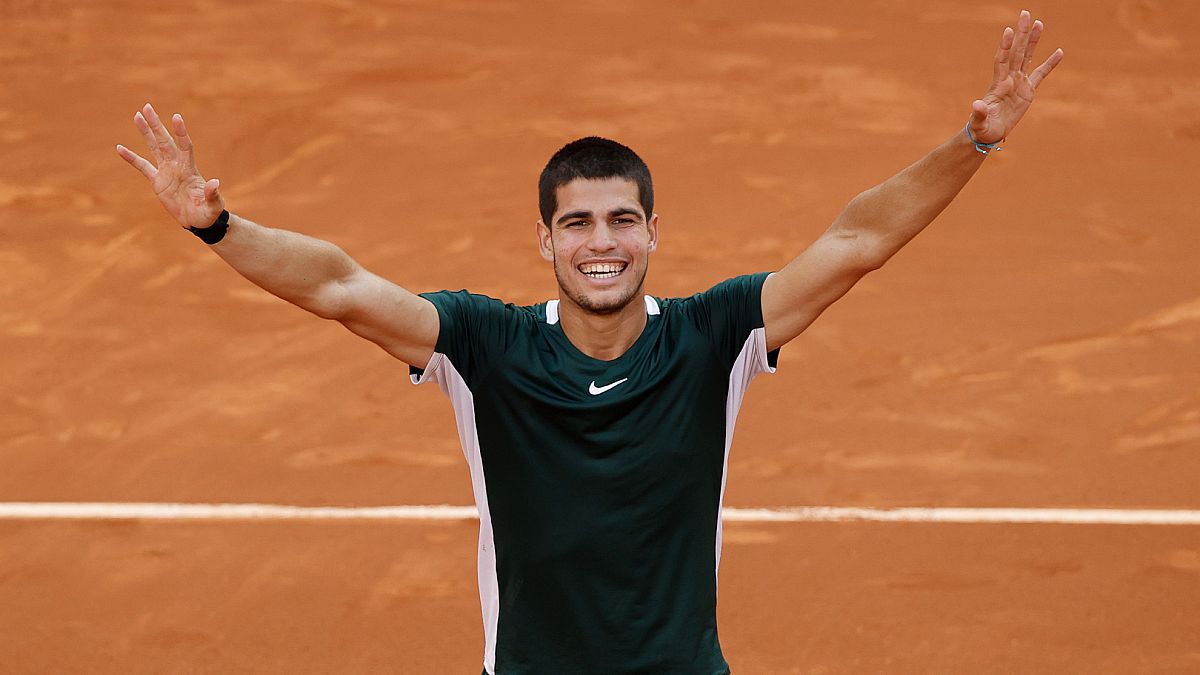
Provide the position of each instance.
(167, 511)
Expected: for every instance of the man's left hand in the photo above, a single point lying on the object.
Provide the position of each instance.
(994, 116)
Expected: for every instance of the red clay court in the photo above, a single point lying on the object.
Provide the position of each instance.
(1038, 347)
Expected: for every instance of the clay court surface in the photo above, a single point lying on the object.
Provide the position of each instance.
(1038, 346)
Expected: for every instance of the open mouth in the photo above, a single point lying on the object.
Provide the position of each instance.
(603, 270)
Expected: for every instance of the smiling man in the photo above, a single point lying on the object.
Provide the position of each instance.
(597, 425)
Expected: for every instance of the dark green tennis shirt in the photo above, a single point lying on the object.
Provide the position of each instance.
(599, 483)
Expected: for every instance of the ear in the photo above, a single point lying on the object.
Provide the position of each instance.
(545, 241)
(652, 227)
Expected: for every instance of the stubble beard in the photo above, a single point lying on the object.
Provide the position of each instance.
(589, 305)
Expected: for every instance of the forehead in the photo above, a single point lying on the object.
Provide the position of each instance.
(598, 195)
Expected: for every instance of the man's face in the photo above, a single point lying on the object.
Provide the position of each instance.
(600, 242)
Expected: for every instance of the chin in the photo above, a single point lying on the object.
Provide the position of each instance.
(594, 305)
(604, 302)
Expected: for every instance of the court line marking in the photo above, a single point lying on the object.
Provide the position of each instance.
(819, 514)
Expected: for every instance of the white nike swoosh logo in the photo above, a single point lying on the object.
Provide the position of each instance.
(596, 391)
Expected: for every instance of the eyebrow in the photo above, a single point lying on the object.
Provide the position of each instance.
(573, 214)
(624, 211)
(583, 213)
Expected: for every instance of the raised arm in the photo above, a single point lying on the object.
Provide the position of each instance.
(880, 221)
(309, 273)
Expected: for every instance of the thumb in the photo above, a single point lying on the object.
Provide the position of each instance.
(978, 114)
(211, 190)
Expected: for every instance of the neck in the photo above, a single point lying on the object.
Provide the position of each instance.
(602, 336)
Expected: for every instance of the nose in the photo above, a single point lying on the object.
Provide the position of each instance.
(601, 238)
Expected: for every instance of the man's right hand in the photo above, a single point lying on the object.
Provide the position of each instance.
(312, 274)
(177, 182)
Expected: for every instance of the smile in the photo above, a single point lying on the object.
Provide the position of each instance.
(603, 270)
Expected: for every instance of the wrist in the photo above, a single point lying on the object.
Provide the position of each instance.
(215, 232)
(981, 147)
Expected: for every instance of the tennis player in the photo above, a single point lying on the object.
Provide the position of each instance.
(597, 425)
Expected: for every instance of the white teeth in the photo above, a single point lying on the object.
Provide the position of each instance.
(602, 270)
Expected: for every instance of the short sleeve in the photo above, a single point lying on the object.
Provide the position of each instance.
(730, 316)
(472, 330)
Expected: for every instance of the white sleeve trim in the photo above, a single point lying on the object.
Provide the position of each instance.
(431, 372)
(751, 361)
(441, 370)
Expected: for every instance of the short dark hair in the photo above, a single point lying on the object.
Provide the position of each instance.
(593, 158)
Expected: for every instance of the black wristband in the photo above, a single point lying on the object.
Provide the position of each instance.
(215, 232)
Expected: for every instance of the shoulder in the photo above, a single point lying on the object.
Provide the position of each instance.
(481, 319)
(476, 331)
(743, 292)
(726, 315)
(464, 301)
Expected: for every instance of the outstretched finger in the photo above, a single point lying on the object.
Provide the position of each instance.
(136, 161)
(1003, 54)
(1034, 36)
(182, 139)
(166, 147)
(143, 127)
(1043, 70)
(1021, 41)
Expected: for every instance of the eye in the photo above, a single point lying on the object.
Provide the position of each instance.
(576, 223)
(623, 221)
